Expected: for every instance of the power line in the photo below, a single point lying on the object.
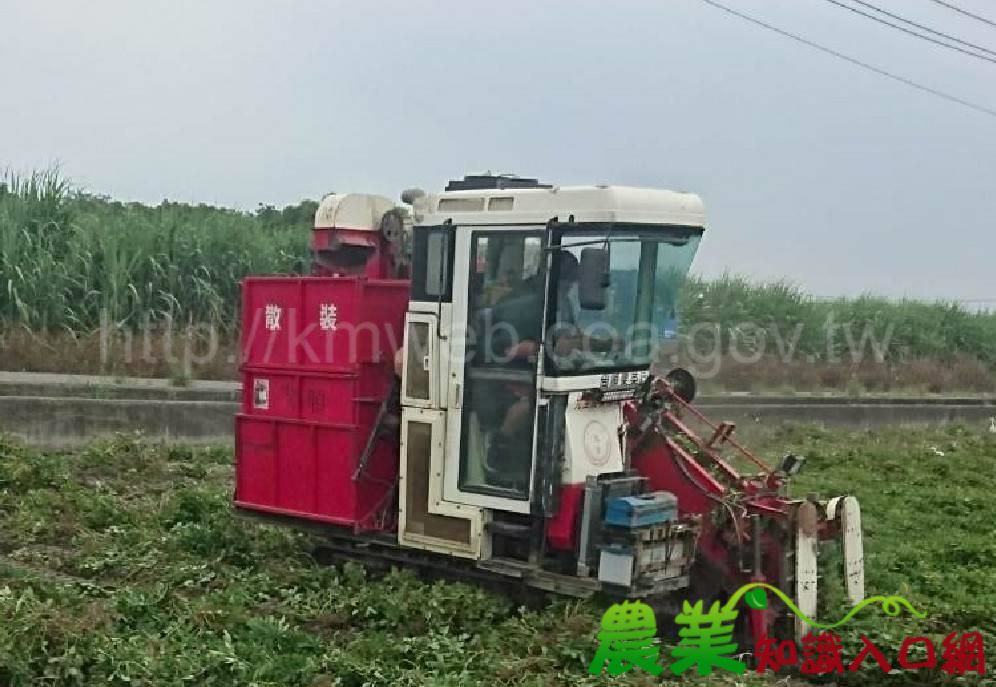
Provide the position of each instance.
(965, 12)
(911, 32)
(859, 63)
(922, 27)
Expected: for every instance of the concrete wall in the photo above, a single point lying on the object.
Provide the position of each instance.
(59, 422)
(61, 410)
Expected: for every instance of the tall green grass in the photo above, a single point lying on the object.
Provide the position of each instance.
(912, 329)
(68, 256)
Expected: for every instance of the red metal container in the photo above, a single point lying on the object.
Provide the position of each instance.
(317, 364)
(321, 397)
(305, 470)
(321, 323)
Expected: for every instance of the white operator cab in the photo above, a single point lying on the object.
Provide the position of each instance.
(499, 352)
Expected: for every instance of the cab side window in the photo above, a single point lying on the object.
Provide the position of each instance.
(432, 264)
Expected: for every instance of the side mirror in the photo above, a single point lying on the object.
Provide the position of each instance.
(593, 278)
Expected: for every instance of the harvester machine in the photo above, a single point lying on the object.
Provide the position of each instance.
(470, 382)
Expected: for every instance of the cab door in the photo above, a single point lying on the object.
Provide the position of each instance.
(499, 293)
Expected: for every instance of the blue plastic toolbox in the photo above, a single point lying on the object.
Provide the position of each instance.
(655, 508)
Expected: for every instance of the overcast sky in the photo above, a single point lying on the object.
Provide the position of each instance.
(811, 169)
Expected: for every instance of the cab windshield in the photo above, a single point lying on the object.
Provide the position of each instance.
(647, 268)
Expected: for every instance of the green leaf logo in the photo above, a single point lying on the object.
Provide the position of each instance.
(757, 598)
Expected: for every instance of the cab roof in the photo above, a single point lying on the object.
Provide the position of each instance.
(516, 206)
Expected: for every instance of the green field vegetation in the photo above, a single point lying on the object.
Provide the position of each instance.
(123, 564)
(784, 337)
(914, 329)
(927, 513)
(67, 256)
